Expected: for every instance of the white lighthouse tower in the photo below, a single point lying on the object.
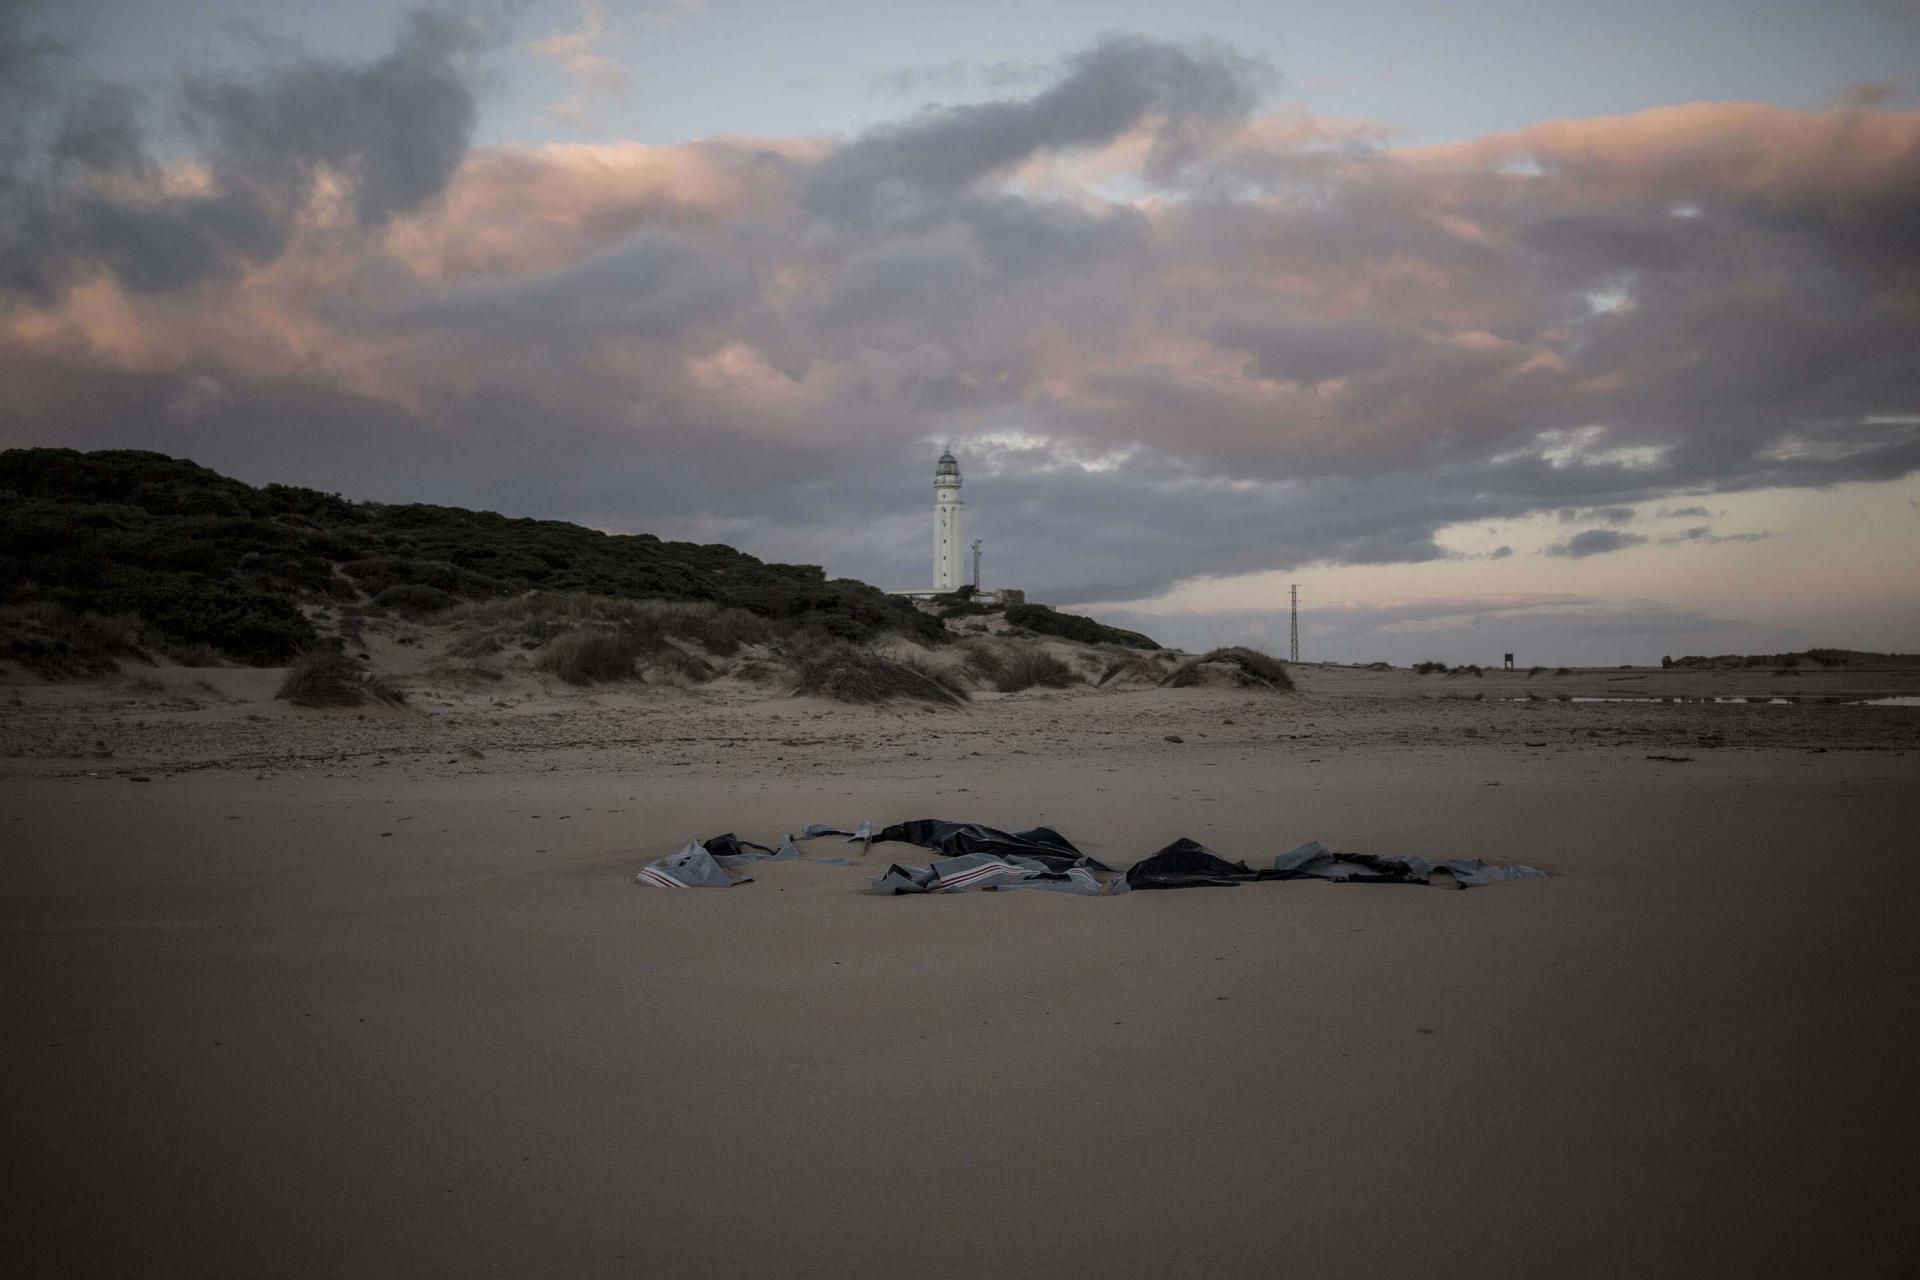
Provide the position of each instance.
(949, 539)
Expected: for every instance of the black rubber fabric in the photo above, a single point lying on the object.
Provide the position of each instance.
(1043, 844)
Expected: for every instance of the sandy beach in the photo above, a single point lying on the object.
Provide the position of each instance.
(352, 993)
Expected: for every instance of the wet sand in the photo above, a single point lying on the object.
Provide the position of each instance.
(338, 996)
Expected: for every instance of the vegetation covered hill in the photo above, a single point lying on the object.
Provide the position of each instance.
(203, 558)
(1850, 658)
(142, 543)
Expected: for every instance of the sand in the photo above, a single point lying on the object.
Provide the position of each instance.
(373, 993)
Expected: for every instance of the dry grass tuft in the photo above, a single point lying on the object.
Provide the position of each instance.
(590, 655)
(1024, 667)
(859, 675)
(1128, 664)
(329, 678)
(1010, 666)
(196, 654)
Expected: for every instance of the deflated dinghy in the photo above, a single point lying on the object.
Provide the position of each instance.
(984, 871)
(691, 868)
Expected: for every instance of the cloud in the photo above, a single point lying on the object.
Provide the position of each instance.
(1182, 96)
(1702, 533)
(1869, 95)
(1170, 329)
(674, 12)
(1594, 542)
(595, 77)
(306, 141)
(199, 395)
(1605, 515)
(952, 76)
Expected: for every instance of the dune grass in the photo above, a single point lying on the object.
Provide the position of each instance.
(1252, 669)
(1128, 662)
(327, 677)
(1011, 666)
(59, 643)
(538, 617)
(860, 675)
(592, 656)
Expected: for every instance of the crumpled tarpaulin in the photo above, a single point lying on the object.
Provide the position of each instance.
(1186, 864)
(980, 857)
(985, 871)
(701, 865)
(790, 852)
(691, 868)
(730, 850)
(814, 830)
(1315, 861)
(1040, 844)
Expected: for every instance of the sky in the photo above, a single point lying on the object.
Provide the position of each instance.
(1589, 333)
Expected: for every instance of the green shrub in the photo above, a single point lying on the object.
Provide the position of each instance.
(1429, 668)
(58, 643)
(415, 599)
(1041, 620)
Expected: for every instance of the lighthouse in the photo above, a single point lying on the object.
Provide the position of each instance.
(949, 538)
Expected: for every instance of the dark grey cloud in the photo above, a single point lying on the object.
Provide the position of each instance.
(1185, 93)
(651, 288)
(1594, 542)
(1870, 95)
(1703, 533)
(956, 76)
(1311, 350)
(391, 131)
(394, 128)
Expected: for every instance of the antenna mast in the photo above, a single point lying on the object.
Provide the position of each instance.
(1295, 647)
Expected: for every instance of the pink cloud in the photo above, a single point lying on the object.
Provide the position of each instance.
(1234, 299)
